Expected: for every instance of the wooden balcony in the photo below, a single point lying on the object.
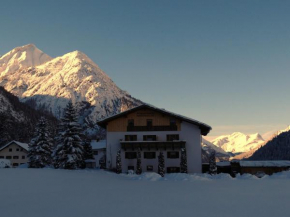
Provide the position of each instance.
(151, 128)
(152, 145)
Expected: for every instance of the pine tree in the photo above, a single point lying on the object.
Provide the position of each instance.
(88, 151)
(68, 153)
(183, 161)
(139, 167)
(212, 164)
(118, 162)
(161, 165)
(40, 147)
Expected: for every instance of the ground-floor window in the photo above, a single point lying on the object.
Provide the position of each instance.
(149, 168)
(130, 155)
(172, 154)
(173, 169)
(8, 157)
(1, 157)
(130, 167)
(15, 164)
(149, 155)
(15, 157)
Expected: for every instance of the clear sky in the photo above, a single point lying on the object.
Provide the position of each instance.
(225, 63)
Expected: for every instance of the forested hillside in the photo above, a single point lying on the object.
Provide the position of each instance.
(18, 120)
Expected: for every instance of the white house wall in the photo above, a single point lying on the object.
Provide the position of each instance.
(189, 133)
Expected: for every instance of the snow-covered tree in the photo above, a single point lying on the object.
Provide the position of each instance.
(68, 153)
(88, 151)
(161, 165)
(118, 162)
(40, 147)
(212, 164)
(139, 167)
(183, 161)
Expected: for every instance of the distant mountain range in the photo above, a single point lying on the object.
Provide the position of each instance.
(238, 142)
(46, 82)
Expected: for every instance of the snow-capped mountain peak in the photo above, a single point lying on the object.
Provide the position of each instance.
(238, 142)
(51, 83)
(22, 57)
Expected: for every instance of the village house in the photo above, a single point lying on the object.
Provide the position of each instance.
(153, 130)
(99, 152)
(16, 152)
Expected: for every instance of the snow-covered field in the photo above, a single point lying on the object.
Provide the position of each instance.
(95, 193)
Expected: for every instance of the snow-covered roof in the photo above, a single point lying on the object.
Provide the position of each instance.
(98, 145)
(203, 127)
(22, 145)
(278, 163)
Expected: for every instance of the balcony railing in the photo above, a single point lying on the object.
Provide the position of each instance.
(155, 145)
(151, 128)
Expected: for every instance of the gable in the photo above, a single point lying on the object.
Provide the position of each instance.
(140, 118)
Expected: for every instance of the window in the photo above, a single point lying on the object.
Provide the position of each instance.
(23, 157)
(8, 157)
(149, 122)
(172, 154)
(17, 149)
(1, 157)
(131, 122)
(149, 155)
(10, 149)
(173, 169)
(15, 157)
(130, 137)
(130, 155)
(149, 138)
(172, 122)
(172, 137)
(149, 168)
(130, 167)
(95, 152)
(15, 164)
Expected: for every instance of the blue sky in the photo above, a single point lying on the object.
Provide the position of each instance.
(225, 63)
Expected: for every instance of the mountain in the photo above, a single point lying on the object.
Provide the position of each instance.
(208, 147)
(276, 148)
(50, 83)
(17, 120)
(22, 57)
(238, 142)
(248, 154)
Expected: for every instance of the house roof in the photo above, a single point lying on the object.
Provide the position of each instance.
(98, 145)
(22, 145)
(203, 127)
(270, 163)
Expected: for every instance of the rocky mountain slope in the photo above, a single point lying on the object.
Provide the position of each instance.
(238, 142)
(50, 83)
(208, 147)
(17, 120)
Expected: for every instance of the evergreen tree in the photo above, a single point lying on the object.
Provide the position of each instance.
(118, 162)
(88, 151)
(212, 164)
(183, 161)
(40, 147)
(161, 165)
(139, 167)
(68, 153)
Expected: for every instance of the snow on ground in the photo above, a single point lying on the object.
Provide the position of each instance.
(96, 193)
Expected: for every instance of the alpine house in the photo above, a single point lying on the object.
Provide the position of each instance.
(148, 130)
